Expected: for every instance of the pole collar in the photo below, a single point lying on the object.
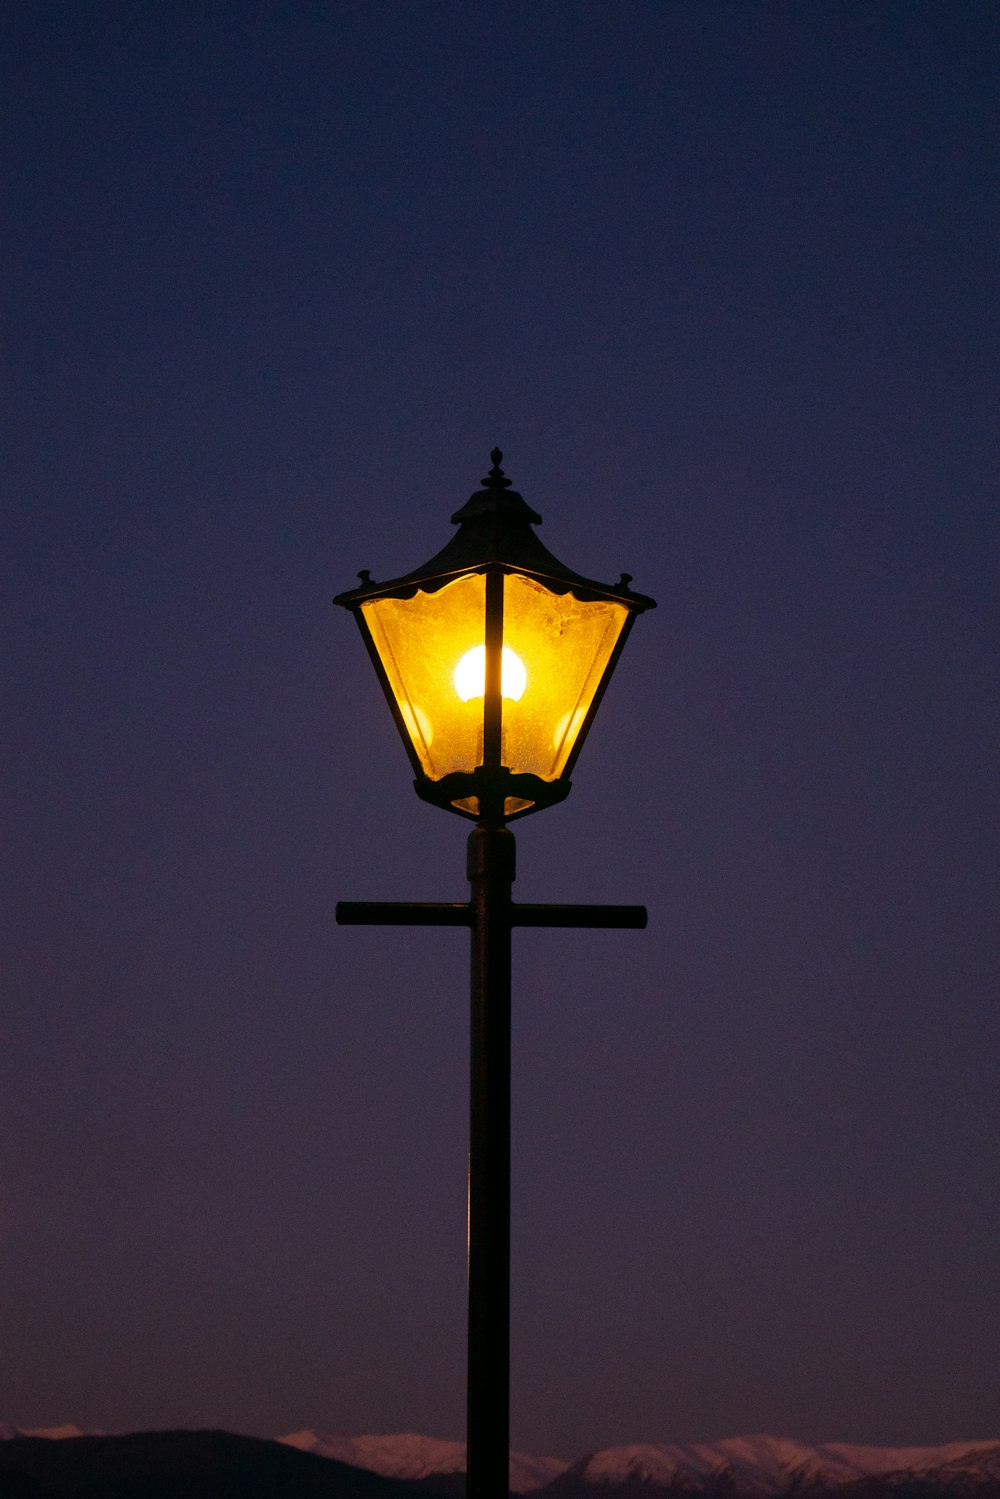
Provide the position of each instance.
(491, 854)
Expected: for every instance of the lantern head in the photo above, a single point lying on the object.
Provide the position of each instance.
(494, 658)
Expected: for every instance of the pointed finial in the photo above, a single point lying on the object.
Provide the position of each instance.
(496, 478)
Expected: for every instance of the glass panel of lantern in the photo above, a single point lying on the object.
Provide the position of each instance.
(556, 649)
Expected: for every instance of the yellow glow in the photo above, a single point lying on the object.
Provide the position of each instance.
(418, 725)
(569, 643)
(418, 642)
(470, 674)
(568, 727)
(556, 649)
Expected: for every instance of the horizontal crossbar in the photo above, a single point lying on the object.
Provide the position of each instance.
(443, 913)
(403, 913)
(595, 916)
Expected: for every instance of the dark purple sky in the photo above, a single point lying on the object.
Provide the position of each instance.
(720, 280)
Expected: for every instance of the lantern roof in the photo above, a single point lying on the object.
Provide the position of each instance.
(495, 534)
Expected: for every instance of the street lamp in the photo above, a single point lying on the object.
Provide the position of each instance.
(493, 658)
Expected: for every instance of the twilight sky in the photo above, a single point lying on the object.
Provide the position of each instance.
(719, 278)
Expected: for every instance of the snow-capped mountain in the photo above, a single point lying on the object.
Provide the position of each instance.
(753, 1467)
(409, 1456)
(764, 1467)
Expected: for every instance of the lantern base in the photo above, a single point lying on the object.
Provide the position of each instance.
(491, 796)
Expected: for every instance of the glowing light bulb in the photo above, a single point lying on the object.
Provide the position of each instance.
(470, 674)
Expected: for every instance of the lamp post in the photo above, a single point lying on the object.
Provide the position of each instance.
(493, 658)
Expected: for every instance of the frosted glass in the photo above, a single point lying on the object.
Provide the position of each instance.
(565, 646)
(420, 642)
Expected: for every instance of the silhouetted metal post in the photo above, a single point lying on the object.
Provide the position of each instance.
(491, 874)
(490, 916)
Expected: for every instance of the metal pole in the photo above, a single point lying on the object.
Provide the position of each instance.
(491, 874)
(490, 914)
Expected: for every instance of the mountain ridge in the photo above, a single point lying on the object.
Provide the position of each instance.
(749, 1467)
(767, 1467)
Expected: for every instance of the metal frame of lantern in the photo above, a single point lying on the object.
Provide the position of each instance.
(495, 543)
